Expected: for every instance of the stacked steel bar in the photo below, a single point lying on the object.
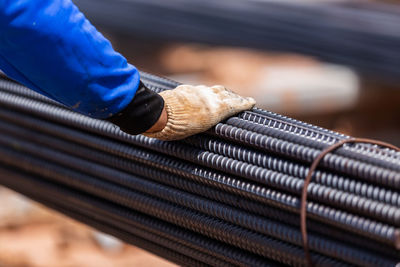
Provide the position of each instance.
(227, 197)
(362, 34)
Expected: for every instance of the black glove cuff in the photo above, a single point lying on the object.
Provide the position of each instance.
(141, 113)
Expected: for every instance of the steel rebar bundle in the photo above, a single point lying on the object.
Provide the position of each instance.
(226, 197)
(361, 34)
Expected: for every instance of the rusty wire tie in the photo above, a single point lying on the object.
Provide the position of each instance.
(314, 165)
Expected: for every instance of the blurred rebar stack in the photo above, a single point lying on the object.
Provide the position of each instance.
(361, 34)
(228, 197)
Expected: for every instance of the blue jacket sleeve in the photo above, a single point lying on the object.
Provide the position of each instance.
(49, 46)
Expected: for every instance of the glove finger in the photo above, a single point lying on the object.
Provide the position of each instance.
(218, 89)
(238, 103)
(246, 104)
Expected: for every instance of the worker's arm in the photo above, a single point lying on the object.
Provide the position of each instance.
(49, 46)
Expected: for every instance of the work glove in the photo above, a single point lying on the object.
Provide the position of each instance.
(194, 109)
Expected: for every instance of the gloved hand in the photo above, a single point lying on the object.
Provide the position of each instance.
(194, 109)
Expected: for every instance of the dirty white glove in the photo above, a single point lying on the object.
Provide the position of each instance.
(194, 109)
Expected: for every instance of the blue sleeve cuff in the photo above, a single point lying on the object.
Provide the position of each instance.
(140, 114)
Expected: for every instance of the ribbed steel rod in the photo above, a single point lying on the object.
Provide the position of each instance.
(128, 219)
(157, 176)
(131, 167)
(215, 209)
(235, 188)
(206, 225)
(284, 233)
(272, 119)
(308, 137)
(15, 88)
(313, 142)
(373, 209)
(284, 122)
(267, 161)
(171, 248)
(363, 171)
(299, 130)
(353, 167)
(348, 166)
(259, 116)
(338, 218)
(164, 252)
(18, 89)
(28, 187)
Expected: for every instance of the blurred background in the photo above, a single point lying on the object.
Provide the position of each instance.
(335, 64)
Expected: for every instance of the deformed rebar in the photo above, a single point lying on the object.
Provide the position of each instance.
(256, 192)
(228, 197)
